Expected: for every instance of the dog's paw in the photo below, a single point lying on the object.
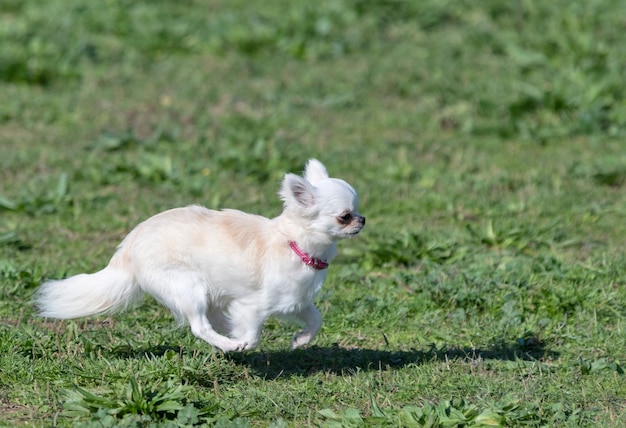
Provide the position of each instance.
(235, 347)
(301, 339)
(243, 347)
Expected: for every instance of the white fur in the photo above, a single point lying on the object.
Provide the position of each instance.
(224, 272)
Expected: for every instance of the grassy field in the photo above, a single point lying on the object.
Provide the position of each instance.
(487, 141)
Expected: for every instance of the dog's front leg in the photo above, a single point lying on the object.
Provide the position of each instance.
(313, 320)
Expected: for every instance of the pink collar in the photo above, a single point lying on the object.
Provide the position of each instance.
(315, 263)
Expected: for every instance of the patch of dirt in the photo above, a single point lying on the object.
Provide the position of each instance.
(15, 414)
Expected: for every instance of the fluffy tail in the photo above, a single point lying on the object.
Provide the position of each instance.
(87, 294)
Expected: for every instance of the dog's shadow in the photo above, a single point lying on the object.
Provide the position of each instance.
(349, 361)
(342, 361)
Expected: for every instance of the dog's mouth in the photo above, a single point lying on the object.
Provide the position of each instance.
(352, 233)
(352, 228)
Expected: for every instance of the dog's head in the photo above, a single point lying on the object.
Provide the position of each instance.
(326, 205)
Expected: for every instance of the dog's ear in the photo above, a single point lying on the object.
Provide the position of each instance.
(315, 171)
(296, 191)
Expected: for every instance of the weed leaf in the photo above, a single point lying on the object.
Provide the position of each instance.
(7, 204)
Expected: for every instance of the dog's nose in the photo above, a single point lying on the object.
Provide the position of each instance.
(362, 220)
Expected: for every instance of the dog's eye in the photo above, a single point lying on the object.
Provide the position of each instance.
(345, 218)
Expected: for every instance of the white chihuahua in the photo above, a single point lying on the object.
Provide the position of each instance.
(224, 272)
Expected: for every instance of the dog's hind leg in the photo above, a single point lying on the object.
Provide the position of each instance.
(245, 323)
(201, 328)
(186, 296)
(195, 309)
(218, 320)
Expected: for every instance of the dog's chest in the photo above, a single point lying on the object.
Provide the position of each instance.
(298, 291)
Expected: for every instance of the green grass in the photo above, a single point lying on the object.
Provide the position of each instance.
(487, 143)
